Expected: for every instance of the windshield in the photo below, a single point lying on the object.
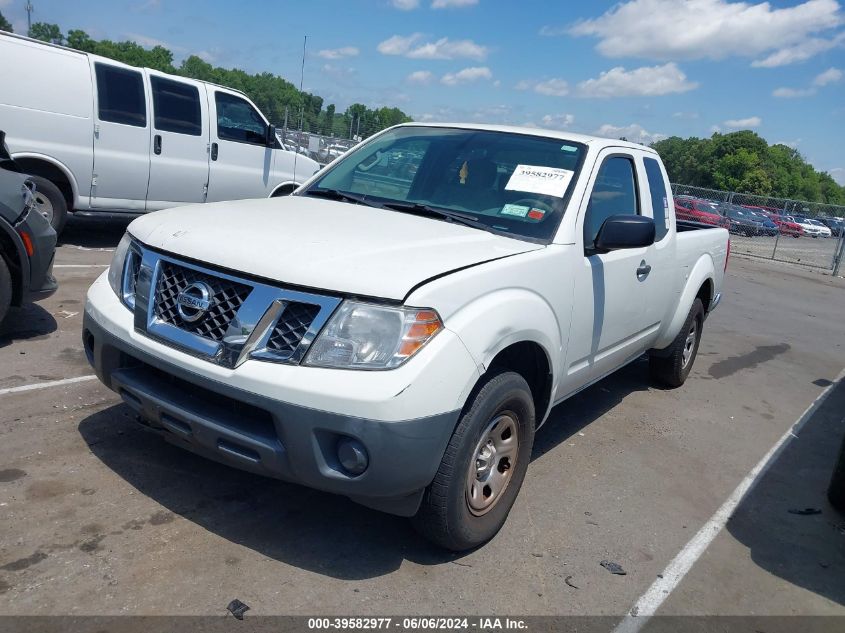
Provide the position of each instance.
(507, 183)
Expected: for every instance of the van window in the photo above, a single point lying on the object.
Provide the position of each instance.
(176, 107)
(120, 96)
(659, 198)
(237, 120)
(614, 193)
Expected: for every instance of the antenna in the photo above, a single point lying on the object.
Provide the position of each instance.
(29, 9)
(302, 106)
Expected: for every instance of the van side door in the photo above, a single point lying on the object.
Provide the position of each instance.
(180, 137)
(241, 161)
(610, 320)
(121, 138)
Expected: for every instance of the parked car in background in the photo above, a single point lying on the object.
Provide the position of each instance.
(27, 241)
(399, 337)
(101, 137)
(811, 227)
(767, 227)
(743, 221)
(836, 225)
(705, 211)
(786, 226)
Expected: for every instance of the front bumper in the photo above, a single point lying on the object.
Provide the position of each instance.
(252, 428)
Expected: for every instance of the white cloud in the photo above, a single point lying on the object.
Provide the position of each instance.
(791, 144)
(838, 174)
(635, 133)
(151, 42)
(799, 52)
(670, 30)
(338, 53)
(646, 81)
(750, 122)
(558, 121)
(830, 76)
(421, 77)
(411, 46)
(405, 5)
(688, 116)
(792, 93)
(452, 4)
(467, 75)
(337, 71)
(550, 87)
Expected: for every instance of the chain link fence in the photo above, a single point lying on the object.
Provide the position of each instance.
(794, 231)
(323, 149)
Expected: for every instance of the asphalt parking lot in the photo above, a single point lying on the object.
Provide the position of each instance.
(98, 516)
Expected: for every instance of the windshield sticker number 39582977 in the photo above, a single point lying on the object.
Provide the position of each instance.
(548, 181)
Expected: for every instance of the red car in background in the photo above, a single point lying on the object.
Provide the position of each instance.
(785, 224)
(704, 211)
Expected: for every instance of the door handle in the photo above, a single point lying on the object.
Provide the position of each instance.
(214, 151)
(643, 270)
(157, 144)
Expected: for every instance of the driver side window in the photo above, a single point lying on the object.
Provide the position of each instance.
(614, 193)
(238, 121)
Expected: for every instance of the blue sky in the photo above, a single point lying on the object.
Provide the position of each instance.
(644, 69)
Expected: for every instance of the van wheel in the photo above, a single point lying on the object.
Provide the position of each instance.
(672, 369)
(5, 289)
(483, 467)
(50, 202)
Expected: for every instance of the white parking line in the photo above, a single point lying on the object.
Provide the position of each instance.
(80, 265)
(675, 571)
(45, 385)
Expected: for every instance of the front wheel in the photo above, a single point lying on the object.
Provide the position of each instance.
(673, 368)
(483, 467)
(50, 202)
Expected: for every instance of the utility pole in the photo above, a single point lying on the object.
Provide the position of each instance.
(29, 9)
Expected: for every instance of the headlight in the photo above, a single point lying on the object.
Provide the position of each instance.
(369, 336)
(125, 258)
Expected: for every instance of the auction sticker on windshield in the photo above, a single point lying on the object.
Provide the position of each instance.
(547, 181)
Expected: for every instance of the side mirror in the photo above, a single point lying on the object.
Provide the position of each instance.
(625, 231)
(271, 136)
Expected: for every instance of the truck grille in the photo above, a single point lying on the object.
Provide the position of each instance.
(291, 327)
(228, 296)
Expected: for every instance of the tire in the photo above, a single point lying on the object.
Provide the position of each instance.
(457, 511)
(5, 289)
(50, 202)
(672, 370)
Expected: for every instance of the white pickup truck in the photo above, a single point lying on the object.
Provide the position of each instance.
(398, 329)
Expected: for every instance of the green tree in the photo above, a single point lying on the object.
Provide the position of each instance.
(47, 33)
(5, 25)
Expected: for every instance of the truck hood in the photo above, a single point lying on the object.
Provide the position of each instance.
(323, 244)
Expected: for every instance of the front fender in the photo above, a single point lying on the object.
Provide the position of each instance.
(497, 320)
(702, 272)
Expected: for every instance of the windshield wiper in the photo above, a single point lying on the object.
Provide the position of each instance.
(418, 208)
(336, 194)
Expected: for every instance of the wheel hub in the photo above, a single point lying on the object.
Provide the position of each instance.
(492, 465)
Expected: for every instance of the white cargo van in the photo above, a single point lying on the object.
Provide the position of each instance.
(101, 137)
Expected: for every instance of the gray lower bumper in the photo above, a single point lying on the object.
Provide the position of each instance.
(272, 438)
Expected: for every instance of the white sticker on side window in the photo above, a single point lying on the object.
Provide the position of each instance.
(547, 181)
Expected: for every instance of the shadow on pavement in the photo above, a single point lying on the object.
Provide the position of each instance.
(316, 531)
(93, 232)
(27, 323)
(807, 550)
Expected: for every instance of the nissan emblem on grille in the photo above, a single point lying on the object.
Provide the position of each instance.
(194, 301)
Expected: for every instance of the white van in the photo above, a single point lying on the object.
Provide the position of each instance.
(101, 137)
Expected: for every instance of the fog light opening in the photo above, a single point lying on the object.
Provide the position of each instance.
(352, 456)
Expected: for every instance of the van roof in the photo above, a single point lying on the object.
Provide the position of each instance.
(112, 61)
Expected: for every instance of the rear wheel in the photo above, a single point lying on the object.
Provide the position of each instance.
(5, 289)
(50, 202)
(672, 369)
(483, 467)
